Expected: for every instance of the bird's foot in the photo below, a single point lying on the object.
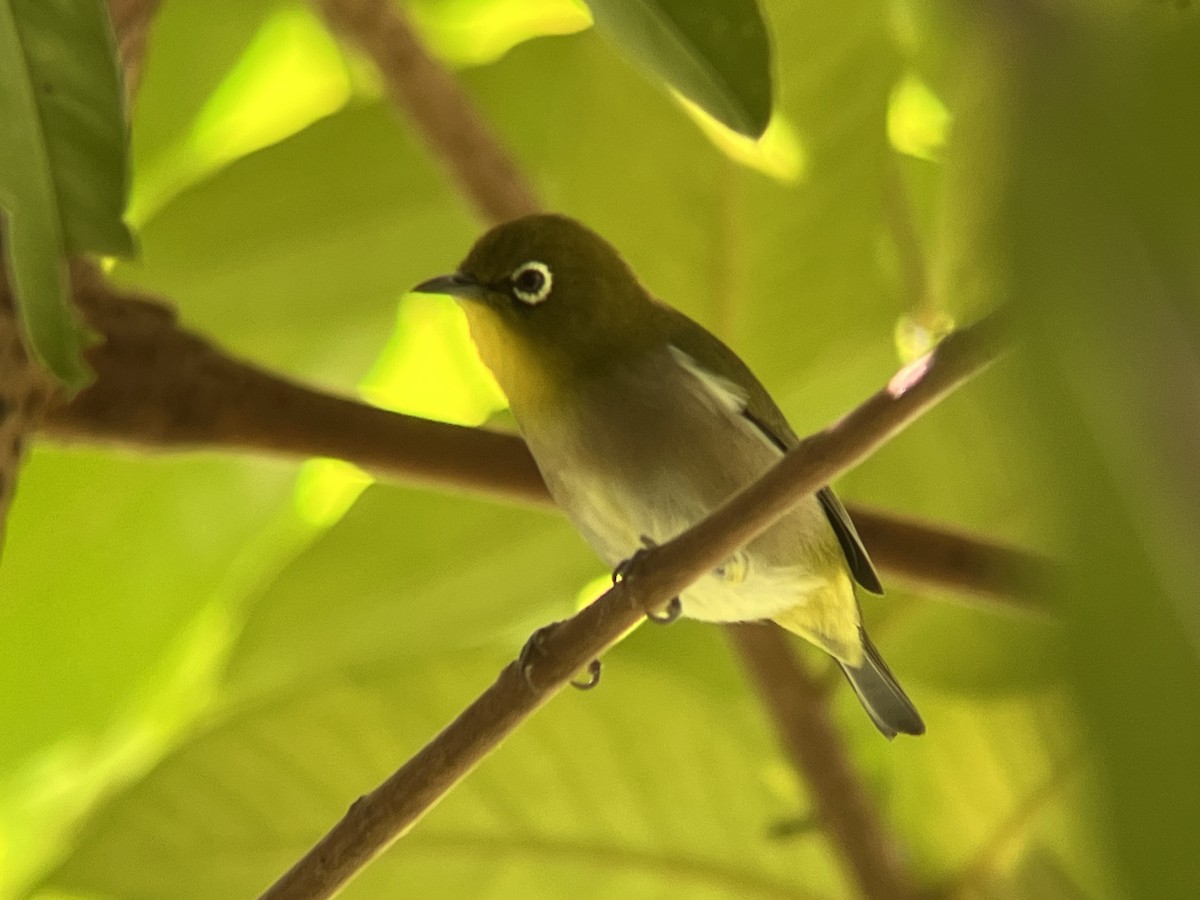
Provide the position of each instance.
(535, 648)
(672, 611)
(627, 567)
(593, 679)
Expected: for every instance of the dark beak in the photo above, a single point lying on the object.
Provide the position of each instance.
(456, 285)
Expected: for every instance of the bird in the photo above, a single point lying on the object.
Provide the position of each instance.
(642, 422)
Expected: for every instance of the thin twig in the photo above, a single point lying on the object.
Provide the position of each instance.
(801, 716)
(441, 113)
(378, 818)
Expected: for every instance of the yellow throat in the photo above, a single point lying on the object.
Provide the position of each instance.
(520, 367)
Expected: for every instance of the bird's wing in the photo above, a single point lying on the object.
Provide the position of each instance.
(709, 355)
(861, 566)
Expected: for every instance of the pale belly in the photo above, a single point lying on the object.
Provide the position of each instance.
(659, 467)
(753, 584)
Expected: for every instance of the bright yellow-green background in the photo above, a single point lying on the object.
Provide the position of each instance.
(206, 657)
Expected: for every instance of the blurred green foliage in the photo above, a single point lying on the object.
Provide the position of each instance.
(205, 659)
(1100, 224)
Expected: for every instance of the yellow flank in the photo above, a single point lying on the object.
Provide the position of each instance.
(829, 618)
(520, 370)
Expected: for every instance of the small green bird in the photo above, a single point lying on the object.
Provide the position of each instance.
(642, 423)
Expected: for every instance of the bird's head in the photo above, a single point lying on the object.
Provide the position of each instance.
(548, 300)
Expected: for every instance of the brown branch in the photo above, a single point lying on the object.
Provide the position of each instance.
(801, 716)
(377, 819)
(933, 555)
(159, 386)
(440, 112)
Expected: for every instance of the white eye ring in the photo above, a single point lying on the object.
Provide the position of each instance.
(538, 282)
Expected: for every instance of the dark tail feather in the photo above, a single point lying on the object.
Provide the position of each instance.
(884, 700)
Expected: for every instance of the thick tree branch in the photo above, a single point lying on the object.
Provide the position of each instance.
(440, 112)
(930, 555)
(378, 818)
(159, 386)
(801, 716)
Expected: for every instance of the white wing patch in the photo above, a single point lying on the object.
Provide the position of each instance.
(729, 395)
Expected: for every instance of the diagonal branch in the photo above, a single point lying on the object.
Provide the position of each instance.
(378, 818)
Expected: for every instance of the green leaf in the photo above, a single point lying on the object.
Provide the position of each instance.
(139, 546)
(646, 788)
(117, 574)
(62, 162)
(296, 254)
(33, 256)
(715, 52)
(224, 78)
(394, 578)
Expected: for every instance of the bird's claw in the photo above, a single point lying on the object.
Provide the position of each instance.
(626, 567)
(670, 613)
(536, 647)
(593, 670)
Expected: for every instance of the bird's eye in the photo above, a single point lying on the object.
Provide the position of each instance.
(531, 282)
